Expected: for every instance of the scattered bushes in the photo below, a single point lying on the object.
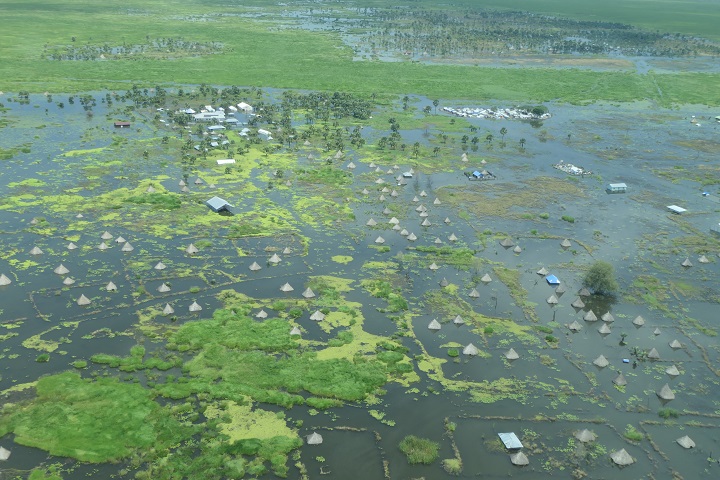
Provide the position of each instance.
(568, 218)
(419, 450)
(667, 413)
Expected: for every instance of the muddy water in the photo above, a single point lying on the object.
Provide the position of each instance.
(562, 390)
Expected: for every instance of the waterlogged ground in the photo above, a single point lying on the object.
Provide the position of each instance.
(228, 392)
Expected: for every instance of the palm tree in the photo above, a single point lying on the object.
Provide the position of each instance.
(503, 132)
(489, 138)
(522, 143)
(435, 104)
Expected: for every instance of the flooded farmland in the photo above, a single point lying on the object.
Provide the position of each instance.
(186, 361)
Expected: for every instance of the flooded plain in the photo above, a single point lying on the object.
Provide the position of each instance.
(69, 176)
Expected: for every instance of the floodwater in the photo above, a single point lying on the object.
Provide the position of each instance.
(559, 390)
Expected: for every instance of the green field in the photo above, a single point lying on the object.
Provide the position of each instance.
(262, 52)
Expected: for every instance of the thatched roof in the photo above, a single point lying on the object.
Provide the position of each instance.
(687, 263)
(380, 240)
(675, 344)
(365, 191)
(620, 380)
(120, 240)
(622, 458)
(578, 303)
(195, 307)
(543, 271)
(106, 235)
(438, 241)
(127, 247)
(434, 325)
(517, 249)
(295, 331)
(470, 350)
(566, 244)
(68, 281)
(351, 165)
(314, 439)
(458, 320)
(255, 267)
(584, 292)
(36, 251)
(575, 326)
(286, 251)
(103, 246)
(61, 269)
(261, 314)
(452, 237)
(420, 208)
(666, 393)
(639, 321)
(552, 300)
(4, 280)
(404, 232)
(71, 246)
(275, 259)
(397, 227)
(474, 293)
(607, 317)
(672, 371)
(426, 223)
(601, 361)
(394, 221)
(512, 354)
(423, 194)
(191, 249)
(308, 293)
(486, 278)
(286, 288)
(585, 436)
(653, 354)
(111, 287)
(168, 310)
(433, 266)
(657, 331)
(560, 290)
(371, 223)
(703, 259)
(317, 316)
(185, 189)
(590, 316)
(685, 442)
(163, 288)
(412, 237)
(447, 221)
(83, 300)
(604, 329)
(519, 459)
(437, 201)
(507, 242)
(160, 266)
(444, 282)
(150, 189)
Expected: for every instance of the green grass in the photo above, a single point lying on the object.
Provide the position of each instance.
(95, 422)
(632, 434)
(298, 55)
(419, 450)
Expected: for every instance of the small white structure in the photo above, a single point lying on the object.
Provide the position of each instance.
(510, 440)
(676, 209)
(226, 161)
(616, 188)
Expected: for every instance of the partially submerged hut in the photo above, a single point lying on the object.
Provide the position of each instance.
(575, 326)
(168, 310)
(275, 259)
(295, 331)
(552, 300)
(675, 345)
(578, 303)
(486, 279)
(127, 247)
(195, 307)
(639, 321)
(111, 287)
(371, 223)
(71, 246)
(4, 280)
(458, 320)
(262, 314)
(620, 380)
(565, 244)
(607, 317)
(622, 458)
(512, 354)
(314, 439)
(433, 266)
(61, 270)
(412, 237)
(687, 263)
(4, 454)
(308, 293)
(83, 300)
(106, 235)
(163, 288)
(191, 249)
(286, 288)
(584, 292)
(452, 237)
(444, 282)
(604, 329)
(672, 371)
(601, 361)
(254, 267)
(36, 251)
(543, 271)
(519, 459)
(160, 266)
(68, 281)
(685, 442)
(590, 316)
(474, 293)
(517, 249)
(317, 316)
(470, 350)
(665, 393)
(507, 242)
(653, 354)
(585, 436)
(380, 240)
(434, 325)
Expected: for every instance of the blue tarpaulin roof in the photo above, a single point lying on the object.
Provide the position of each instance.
(477, 174)
(552, 280)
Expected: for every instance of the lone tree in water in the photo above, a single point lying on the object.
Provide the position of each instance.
(600, 278)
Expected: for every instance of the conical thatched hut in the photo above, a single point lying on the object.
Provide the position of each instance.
(578, 303)
(639, 321)
(604, 329)
(415, 199)
(575, 326)
(444, 282)
(160, 266)
(198, 181)
(185, 189)
(585, 436)
(447, 221)
(261, 314)
(601, 361)
(433, 266)
(4, 454)
(168, 310)
(36, 251)
(83, 300)
(426, 223)
(458, 320)
(543, 271)
(371, 223)
(584, 292)
(512, 354)
(120, 240)
(507, 242)
(103, 246)
(685, 442)
(519, 459)
(620, 380)
(437, 241)
(672, 371)
(437, 201)
(474, 293)
(4, 280)
(486, 279)
(351, 165)
(590, 316)
(275, 259)
(254, 267)
(163, 288)
(286, 251)
(308, 293)
(434, 325)
(106, 235)
(565, 244)
(560, 290)
(665, 393)
(181, 183)
(687, 263)
(675, 344)
(703, 259)
(517, 249)
(470, 350)
(317, 316)
(622, 458)
(657, 331)
(397, 227)
(380, 240)
(111, 287)
(195, 307)
(552, 300)
(412, 237)
(295, 331)
(653, 354)
(191, 249)
(127, 247)
(365, 191)
(68, 281)
(607, 317)
(404, 232)
(61, 270)
(423, 194)
(71, 246)
(314, 439)
(286, 288)
(150, 189)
